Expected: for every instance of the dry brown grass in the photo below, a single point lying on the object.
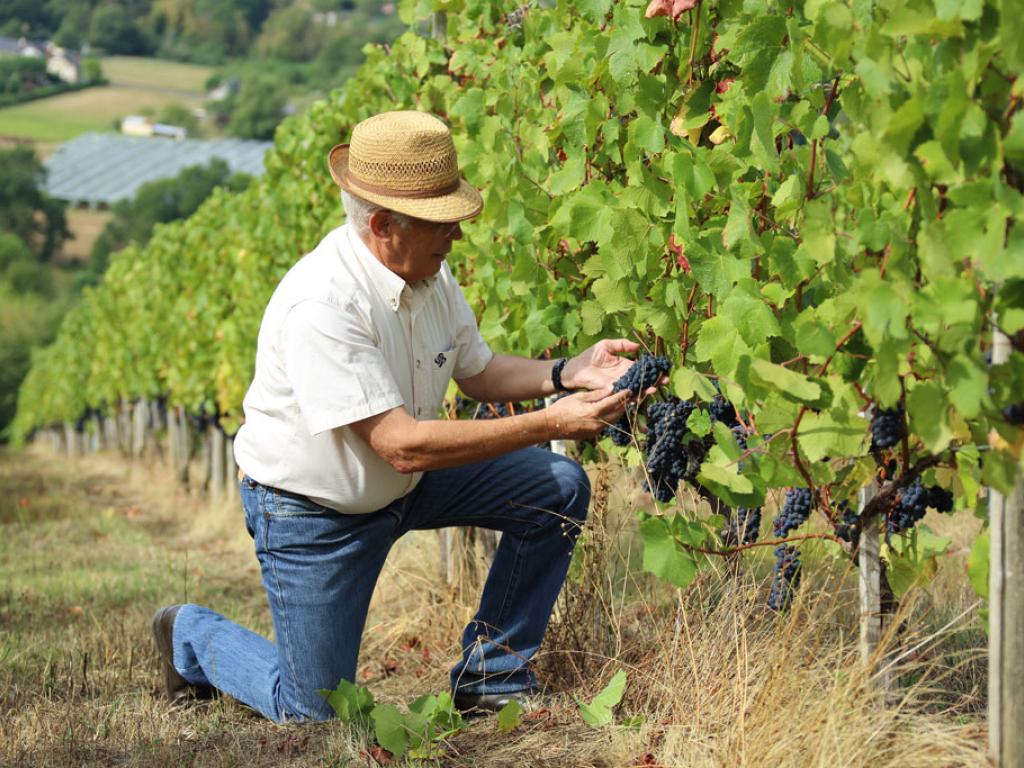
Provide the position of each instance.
(717, 679)
(85, 225)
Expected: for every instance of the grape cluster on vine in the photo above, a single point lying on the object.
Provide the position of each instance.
(912, 503)
(887, 427)
(621, 432)
(643, 374)
(795, 511)
(849, 526)
(670, 456)
(724, 411)
(744, 526)
(1014, 414)
(785, 577)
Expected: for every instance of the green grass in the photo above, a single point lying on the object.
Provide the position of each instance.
(136, 85)
(155, 73)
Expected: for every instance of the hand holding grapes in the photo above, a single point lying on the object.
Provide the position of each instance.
(585, 414)
(601, 365)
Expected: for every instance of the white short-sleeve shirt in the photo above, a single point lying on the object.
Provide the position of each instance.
(344, 338)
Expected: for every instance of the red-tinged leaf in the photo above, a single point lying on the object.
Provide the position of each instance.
(658, 8)
(679, 6)
(683, 263)
(382, 756)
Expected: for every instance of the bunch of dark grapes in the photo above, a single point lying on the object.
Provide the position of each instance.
(886, 428)
(486, 411)
(724, 411)
(795, 511)
(744, 525)
(671, 456)
(849, 526)
(1014, 414)
(621, 432)
(914, 501)
(643, 374)
(785, 577)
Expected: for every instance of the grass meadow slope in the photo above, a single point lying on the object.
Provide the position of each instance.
(89, 548)
(136, 84)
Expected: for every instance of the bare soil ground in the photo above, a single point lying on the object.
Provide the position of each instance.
(90, 548)
(85, 225)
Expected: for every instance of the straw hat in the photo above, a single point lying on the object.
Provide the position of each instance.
(405, 161)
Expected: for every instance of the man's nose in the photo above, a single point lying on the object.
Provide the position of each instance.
(455, 233)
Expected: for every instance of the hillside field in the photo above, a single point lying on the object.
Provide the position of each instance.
(136, 84)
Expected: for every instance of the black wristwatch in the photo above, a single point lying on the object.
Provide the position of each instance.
(556, 376)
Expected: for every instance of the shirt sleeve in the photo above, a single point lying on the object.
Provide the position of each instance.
(473, 352)
(337, 371)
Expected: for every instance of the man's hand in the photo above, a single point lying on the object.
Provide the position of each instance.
(600, 366)
(585, 414)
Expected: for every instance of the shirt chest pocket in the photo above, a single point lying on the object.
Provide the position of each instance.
(439, 367)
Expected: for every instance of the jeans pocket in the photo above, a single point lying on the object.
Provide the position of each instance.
(284, 504)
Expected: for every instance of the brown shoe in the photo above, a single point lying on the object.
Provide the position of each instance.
(179, 690)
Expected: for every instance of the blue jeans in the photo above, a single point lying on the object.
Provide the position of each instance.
(320, 568)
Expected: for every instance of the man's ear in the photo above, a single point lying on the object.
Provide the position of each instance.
(381, 223)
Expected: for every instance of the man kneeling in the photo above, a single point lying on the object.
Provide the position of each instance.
(342, 452)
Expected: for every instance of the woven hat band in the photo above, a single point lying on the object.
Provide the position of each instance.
(409, 194)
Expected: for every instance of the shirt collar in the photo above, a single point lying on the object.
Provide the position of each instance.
(387, 283)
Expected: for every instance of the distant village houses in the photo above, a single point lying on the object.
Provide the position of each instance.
(63, 64)
(137, 125)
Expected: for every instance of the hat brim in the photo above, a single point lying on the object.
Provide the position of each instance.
(464, 203)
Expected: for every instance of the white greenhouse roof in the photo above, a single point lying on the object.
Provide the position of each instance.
(102, 168)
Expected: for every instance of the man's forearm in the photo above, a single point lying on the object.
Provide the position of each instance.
(437, 443)
(508, 378)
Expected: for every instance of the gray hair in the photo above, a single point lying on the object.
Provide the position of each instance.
(359, 211)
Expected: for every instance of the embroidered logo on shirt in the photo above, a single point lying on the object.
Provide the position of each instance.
(440, 359)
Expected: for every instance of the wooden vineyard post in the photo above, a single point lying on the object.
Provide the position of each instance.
(110, 430)
(872, 620)
(439, 27)
(230, 471)
(139, 414)
(99, 424)
(124, 428)
(1006, 613)
(217, 477)
(181, 444)
(70, 440)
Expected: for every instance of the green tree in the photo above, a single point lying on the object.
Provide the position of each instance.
(25, 209)
(176, 113)
(26, 322)
(29, 276)
(73, 26)
(112, 29)
(289, 33)
(12, 249)
(258, 108)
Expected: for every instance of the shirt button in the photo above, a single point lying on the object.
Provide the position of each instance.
(417, 363)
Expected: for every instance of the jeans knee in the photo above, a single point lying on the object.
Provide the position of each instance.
(574, 489)
(305, 712)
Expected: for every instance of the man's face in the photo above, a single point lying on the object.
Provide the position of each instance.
(417, 252)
